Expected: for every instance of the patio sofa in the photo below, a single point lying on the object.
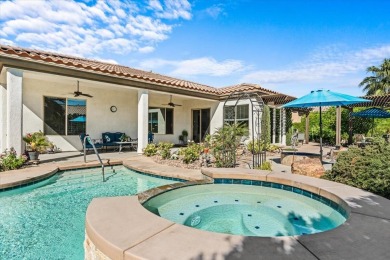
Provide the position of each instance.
(111, 139)
(88, 145)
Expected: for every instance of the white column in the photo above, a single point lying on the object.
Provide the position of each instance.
(280, 125)
(15, 109)
(3, 118)
(143, 108)
(283, 111)
(274, 125)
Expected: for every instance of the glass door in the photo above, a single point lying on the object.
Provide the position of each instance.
(200, 124)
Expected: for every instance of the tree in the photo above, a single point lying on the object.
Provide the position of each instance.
(379, 82)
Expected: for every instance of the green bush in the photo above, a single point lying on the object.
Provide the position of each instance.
(10, 161)
(366, 168)
(165, 149)
(191, 153)
(224, 143)
(150, 150)
(267, 166)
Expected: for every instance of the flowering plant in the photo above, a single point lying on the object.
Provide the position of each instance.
(36, 142)
(10, 161)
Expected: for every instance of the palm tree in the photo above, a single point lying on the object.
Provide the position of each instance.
(379, 82)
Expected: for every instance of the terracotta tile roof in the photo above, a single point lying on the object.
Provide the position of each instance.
(123, 71)
(246, 87)
(103, 67)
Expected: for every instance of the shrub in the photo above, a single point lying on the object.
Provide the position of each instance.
(10, 161)
(224, 144)
(266, 166)
(191, 153)
(366, 168)
(165, 149)
(150, 150)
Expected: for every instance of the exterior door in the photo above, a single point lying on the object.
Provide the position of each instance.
(200, 124)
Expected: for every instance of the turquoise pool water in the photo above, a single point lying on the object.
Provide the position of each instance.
(245, 210)
(46, 220)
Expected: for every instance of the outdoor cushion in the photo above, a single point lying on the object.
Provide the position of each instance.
(88, 145)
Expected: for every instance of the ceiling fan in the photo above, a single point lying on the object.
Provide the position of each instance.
(171, 104)
(79, 93)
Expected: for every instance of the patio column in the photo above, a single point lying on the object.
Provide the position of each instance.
(350, 125)
(338, 125)
(283, 111)
(3, 117)
(274, 126)
(15, 109)
(307, 129)
(143, 107)
(280, 126)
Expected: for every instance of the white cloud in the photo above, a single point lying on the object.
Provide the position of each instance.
(215, 11)
(6, 42)
(90, 28)
(146, 49)
(172, 9)
(330, 62)
(201, 66)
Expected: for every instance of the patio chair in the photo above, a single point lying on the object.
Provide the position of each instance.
(88, 145)
(359, 140)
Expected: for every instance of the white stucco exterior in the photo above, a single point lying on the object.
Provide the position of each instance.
(3, 117)
(14, 109)
(28, 90)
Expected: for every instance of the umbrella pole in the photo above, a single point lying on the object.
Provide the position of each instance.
(321, 134)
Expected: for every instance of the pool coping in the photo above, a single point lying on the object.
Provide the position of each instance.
(121, 228)
(26, 176)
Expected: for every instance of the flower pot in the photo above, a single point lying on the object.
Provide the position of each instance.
(33, 155)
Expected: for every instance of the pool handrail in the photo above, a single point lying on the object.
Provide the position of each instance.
(87, 137)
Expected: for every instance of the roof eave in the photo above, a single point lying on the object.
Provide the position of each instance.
(63, 70)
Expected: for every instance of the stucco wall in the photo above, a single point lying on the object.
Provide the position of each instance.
(99, 117)
(182, 114)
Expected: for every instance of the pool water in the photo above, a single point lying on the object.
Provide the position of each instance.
(46, 220)
(245, 210)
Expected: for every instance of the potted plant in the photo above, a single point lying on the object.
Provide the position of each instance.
(36, 143)
(184, 134)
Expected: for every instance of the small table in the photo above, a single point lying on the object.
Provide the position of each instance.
(131, 144)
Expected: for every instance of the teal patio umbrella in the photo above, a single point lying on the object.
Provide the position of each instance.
(324, 98)
(79, 119)
(373, 112)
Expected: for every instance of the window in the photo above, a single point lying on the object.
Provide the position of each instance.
(237, 114)
(160, 120)
(64, 116)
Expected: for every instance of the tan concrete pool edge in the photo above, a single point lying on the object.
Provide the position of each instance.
(121, 228)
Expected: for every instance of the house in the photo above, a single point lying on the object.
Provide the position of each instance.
(52, 92)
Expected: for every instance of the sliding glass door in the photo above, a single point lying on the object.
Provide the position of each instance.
(200, 124)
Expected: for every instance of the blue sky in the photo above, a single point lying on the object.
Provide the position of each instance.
(288, 46)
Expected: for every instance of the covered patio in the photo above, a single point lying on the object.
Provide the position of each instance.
(42, 91)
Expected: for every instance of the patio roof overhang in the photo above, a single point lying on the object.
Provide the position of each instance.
(377, 101)
(63, 65)
(82, 73)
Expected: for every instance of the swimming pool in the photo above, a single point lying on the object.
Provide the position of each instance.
(247, 210)
(46, 220)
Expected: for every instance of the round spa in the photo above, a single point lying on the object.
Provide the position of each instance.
(248, 210)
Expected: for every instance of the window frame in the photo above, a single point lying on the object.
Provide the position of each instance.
(172, 132)
(66, 114)
(236, 120)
